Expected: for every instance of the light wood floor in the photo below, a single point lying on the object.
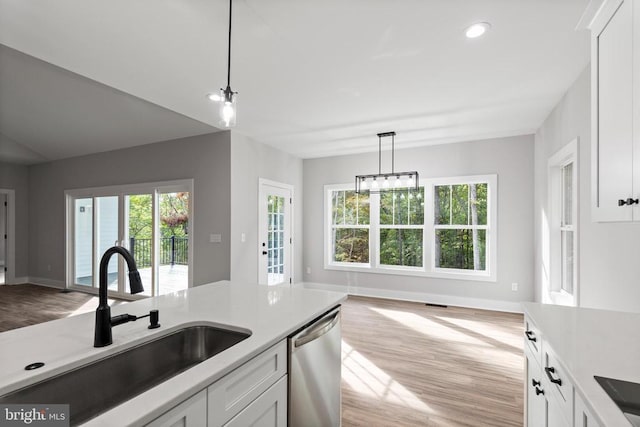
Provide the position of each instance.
(25, 305)
(404, 363)
(407, 364)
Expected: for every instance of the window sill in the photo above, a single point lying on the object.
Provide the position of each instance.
(417, 272)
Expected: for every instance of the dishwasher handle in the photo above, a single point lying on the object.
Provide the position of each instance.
(318, 329)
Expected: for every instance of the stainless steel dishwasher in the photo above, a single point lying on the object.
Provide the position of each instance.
(315, 368)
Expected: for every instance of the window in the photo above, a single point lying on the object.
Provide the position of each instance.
(444, 229)
(562, 225)
(349, 227)
(401, 230)
(460, 223)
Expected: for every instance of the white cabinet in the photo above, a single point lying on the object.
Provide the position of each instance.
(615, 154)
(190, 413)
(254, 394)
(583, 417)
(269, 410)
(550, 396)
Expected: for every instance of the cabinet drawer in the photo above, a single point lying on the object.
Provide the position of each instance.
(558, 383)
(533, 339)
(268, 410)
(236, 390)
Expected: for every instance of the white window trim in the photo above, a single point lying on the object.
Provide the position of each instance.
(427, 270)
(555, 293)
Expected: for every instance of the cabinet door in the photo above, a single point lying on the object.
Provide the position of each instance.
(582, 416)
(190, 413)
(554, 414)
(536, 403)
(268, 410)
(612, 112)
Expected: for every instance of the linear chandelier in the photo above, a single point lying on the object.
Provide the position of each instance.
(378, 182)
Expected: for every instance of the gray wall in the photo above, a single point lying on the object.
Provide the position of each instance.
(205, 158)
(3, 230)
(249, 162)
(608, 252)
(510, 158)
(16, 177)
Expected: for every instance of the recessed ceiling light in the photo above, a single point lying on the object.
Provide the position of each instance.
(476, 30)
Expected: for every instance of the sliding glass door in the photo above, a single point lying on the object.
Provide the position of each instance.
(153, 222)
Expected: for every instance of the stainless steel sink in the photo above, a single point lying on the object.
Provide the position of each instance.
(101, 385)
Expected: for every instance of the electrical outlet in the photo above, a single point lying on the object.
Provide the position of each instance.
(514, 287)
(308, 270)
(243, 237)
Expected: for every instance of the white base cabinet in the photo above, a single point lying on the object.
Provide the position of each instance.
(190, 413)
(255, 394)
(550, 396)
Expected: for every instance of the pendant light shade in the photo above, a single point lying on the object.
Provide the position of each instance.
(378, 182)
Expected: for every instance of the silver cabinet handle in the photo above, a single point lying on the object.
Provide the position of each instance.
(319, 329)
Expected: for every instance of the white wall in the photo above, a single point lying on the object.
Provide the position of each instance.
(204, 158)
(249, 162)
(510, 158)
(609, 271)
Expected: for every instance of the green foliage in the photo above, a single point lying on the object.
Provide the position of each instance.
(402, 207)
(350, 208)
(462, 205)
(453, 204)
(174, 214)
(140, 221)
(401, 247)
(351, 245)
(456, 249)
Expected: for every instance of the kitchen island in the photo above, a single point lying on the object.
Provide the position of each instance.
(269, 313)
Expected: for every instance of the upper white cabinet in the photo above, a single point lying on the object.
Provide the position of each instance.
(615, 92)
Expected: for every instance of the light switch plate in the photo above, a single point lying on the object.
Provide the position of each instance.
(215, 238)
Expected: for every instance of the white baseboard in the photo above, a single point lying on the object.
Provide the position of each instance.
(43, 281)
(19, 280)
(457, 301)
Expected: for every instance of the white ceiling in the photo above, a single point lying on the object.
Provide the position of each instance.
(315, 78)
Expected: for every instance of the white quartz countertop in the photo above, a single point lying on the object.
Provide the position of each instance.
(270, 313)
(592, 342)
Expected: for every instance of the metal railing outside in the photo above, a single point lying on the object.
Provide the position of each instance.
(173, 251)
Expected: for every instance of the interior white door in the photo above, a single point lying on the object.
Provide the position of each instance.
(275, 236)
(3, 237)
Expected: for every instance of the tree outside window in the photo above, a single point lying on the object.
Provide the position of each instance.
(350, 226)
(460, 215)
(402, 227)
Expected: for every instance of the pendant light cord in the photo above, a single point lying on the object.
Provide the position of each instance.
(229, 50)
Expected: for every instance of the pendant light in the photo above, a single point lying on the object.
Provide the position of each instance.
(372, 181)
(227, 98)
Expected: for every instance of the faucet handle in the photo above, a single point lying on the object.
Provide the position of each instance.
(154, 317)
